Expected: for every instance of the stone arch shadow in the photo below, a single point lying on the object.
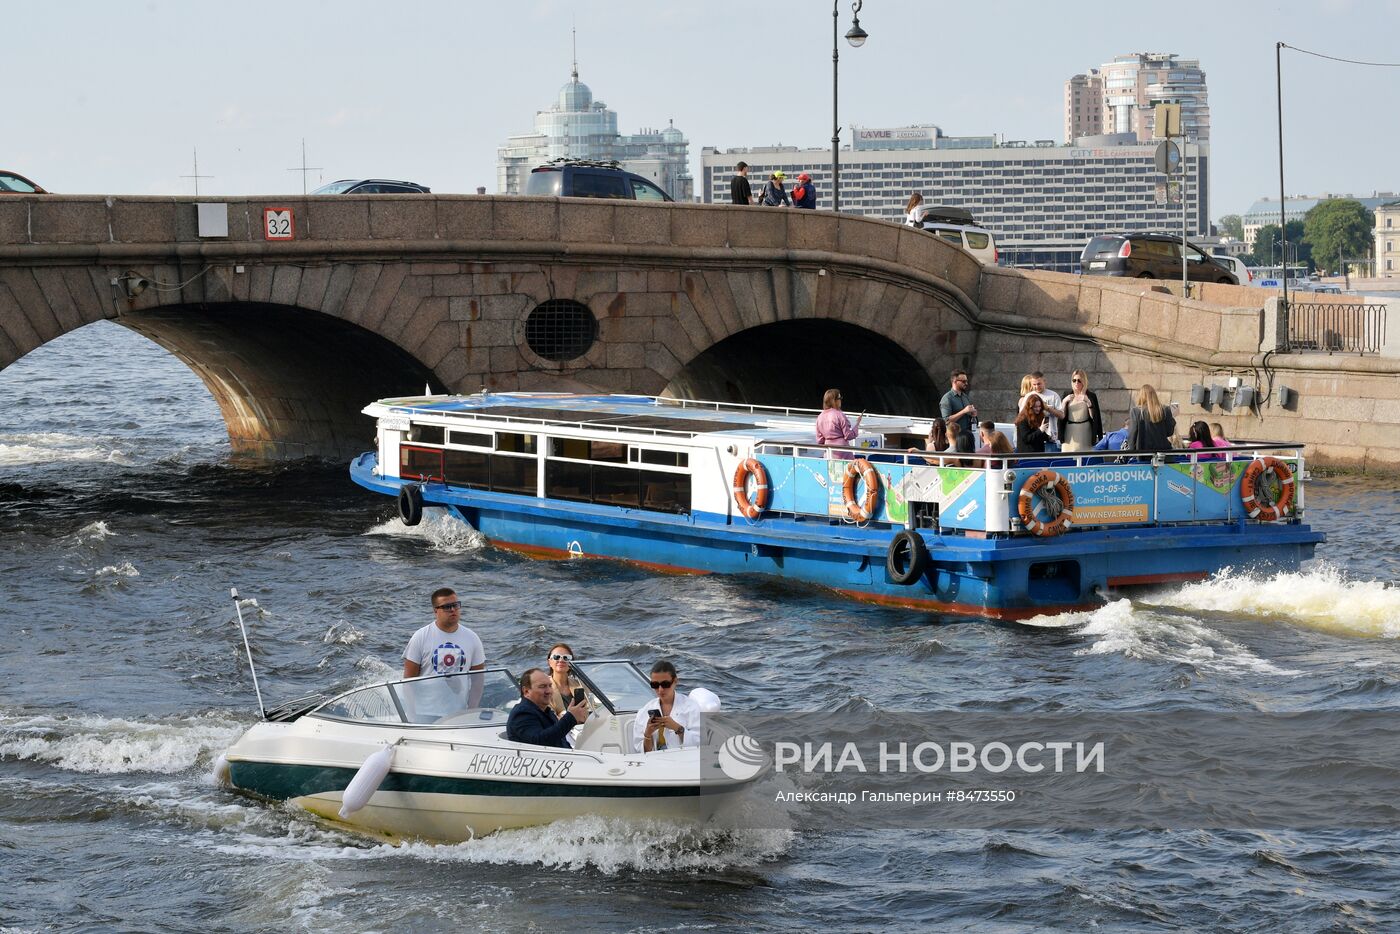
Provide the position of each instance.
(791, 363)
(289, 382)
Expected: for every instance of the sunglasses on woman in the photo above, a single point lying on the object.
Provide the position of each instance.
(659, 685)
(561, 657)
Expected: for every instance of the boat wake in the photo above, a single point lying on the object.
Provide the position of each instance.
(47, 447)
(1155, 634)
(442, 531)
(116, 746)
(1321, 598)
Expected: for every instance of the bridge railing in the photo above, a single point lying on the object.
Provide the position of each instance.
(1327, 327)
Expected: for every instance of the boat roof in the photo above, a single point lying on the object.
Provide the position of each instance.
(654, 415)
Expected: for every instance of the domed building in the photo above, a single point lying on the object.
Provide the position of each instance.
(576, 126)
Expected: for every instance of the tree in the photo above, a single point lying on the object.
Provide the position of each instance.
(1232, 225)
(1338, 228)
(1266, 248)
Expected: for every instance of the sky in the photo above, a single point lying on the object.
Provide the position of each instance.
(114, 97)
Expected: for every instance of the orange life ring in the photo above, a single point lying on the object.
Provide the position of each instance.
(751, 508)
(1250, 482)
(860, 469)
(1026, 505)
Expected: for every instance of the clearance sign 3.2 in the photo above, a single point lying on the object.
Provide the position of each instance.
(278, 224)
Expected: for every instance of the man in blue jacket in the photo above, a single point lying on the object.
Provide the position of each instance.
(533, 720)
(804, 195)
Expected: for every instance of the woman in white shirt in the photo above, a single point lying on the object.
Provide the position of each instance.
(677, 720)
(915, 200)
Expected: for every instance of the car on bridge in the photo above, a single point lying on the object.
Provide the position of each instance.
(958, 227)
(12, 183)
(583, 179)
(1150, 255)
(372, 186)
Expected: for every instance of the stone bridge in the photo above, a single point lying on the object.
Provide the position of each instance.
(381, 295)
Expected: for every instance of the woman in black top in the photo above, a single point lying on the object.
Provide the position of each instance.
(1151, 425)
(1031, 436)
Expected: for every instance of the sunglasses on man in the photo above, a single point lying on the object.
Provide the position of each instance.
(454, 605)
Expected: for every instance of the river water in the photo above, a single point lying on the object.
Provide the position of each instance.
(124, 523)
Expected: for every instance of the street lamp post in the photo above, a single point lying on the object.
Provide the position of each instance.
(856, 37)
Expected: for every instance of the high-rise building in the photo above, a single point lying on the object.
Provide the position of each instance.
(578, 127)
(1118, 96)
(1043, 201)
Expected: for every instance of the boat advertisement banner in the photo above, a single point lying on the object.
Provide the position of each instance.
(1091, 770)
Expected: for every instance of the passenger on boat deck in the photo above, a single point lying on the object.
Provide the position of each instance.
(1000, 445)
(985, 430)
(956, 405)
(679, 721)
(533, 720)
(1151, 424)
(444, 646)
(1199, 436)
(1217, 435)
(936, 440)
(832, 425)
(1032, 422)
(1114, 440)
(561, 673)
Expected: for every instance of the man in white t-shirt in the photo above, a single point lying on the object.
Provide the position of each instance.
(443, 647)
(1054, 408)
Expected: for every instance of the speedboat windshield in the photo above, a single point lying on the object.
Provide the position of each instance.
(473, 698)
(618, 683)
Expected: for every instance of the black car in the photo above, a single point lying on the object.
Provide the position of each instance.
(578, 179)
(372, 186)
(1151, 256)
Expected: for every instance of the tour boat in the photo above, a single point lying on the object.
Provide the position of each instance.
(428, 758)
(682, 485)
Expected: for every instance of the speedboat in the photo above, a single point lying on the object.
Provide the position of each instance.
(428, 758)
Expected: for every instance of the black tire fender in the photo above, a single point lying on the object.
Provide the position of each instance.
(411, 504)
(906, 559)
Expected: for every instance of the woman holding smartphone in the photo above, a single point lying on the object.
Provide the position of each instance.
(562, 674)
(670, 721)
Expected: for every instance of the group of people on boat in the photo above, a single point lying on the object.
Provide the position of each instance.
(1045, 422)
(552, 699)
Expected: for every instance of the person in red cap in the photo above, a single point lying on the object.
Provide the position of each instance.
(804, 195)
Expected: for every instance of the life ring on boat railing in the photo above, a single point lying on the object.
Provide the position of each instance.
(751, 508)
(1054, 491)
(860, 469)
(906, 560)
(1250, 490)
(411, 504)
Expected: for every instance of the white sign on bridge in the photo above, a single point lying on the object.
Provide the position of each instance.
(278, 224)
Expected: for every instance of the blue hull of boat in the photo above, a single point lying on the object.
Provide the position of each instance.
(1008, 578)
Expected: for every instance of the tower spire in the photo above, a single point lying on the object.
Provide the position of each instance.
(575, 71)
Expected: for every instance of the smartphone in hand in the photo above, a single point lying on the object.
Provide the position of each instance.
(578, 695)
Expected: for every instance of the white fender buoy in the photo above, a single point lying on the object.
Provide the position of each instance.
(366, 781)
(706, 700)
(222, 775)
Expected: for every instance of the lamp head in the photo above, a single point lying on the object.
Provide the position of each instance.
(856, 36)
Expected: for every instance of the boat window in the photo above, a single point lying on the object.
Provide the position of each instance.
(572, 482)
(614, 486)
(467, 468)
(620, 685)
(419, 463)
(666, 492)
(374, 703)
(473, 698)
(514, 474)
(515, 443)
(469, 438)
(586, 450)
(661, 458)
(426, 434)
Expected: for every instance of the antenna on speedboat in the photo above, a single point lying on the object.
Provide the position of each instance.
(238, 608)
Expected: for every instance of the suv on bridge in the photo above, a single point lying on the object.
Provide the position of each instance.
(958, 227)
(372, 186)
(1151, 256)
(582, 179)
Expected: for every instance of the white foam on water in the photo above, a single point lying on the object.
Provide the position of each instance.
(48, 447)
(342, 633)
(93, 532)
(125, 569)
(116, 746)
(1137, 632)
(1321, 598)
(609, 845)
(440, 529)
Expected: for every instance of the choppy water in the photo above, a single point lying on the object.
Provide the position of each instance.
(124, 523)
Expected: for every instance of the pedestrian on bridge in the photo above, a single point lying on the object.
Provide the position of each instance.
(804, 195)
(739, 190)
(774, 193)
